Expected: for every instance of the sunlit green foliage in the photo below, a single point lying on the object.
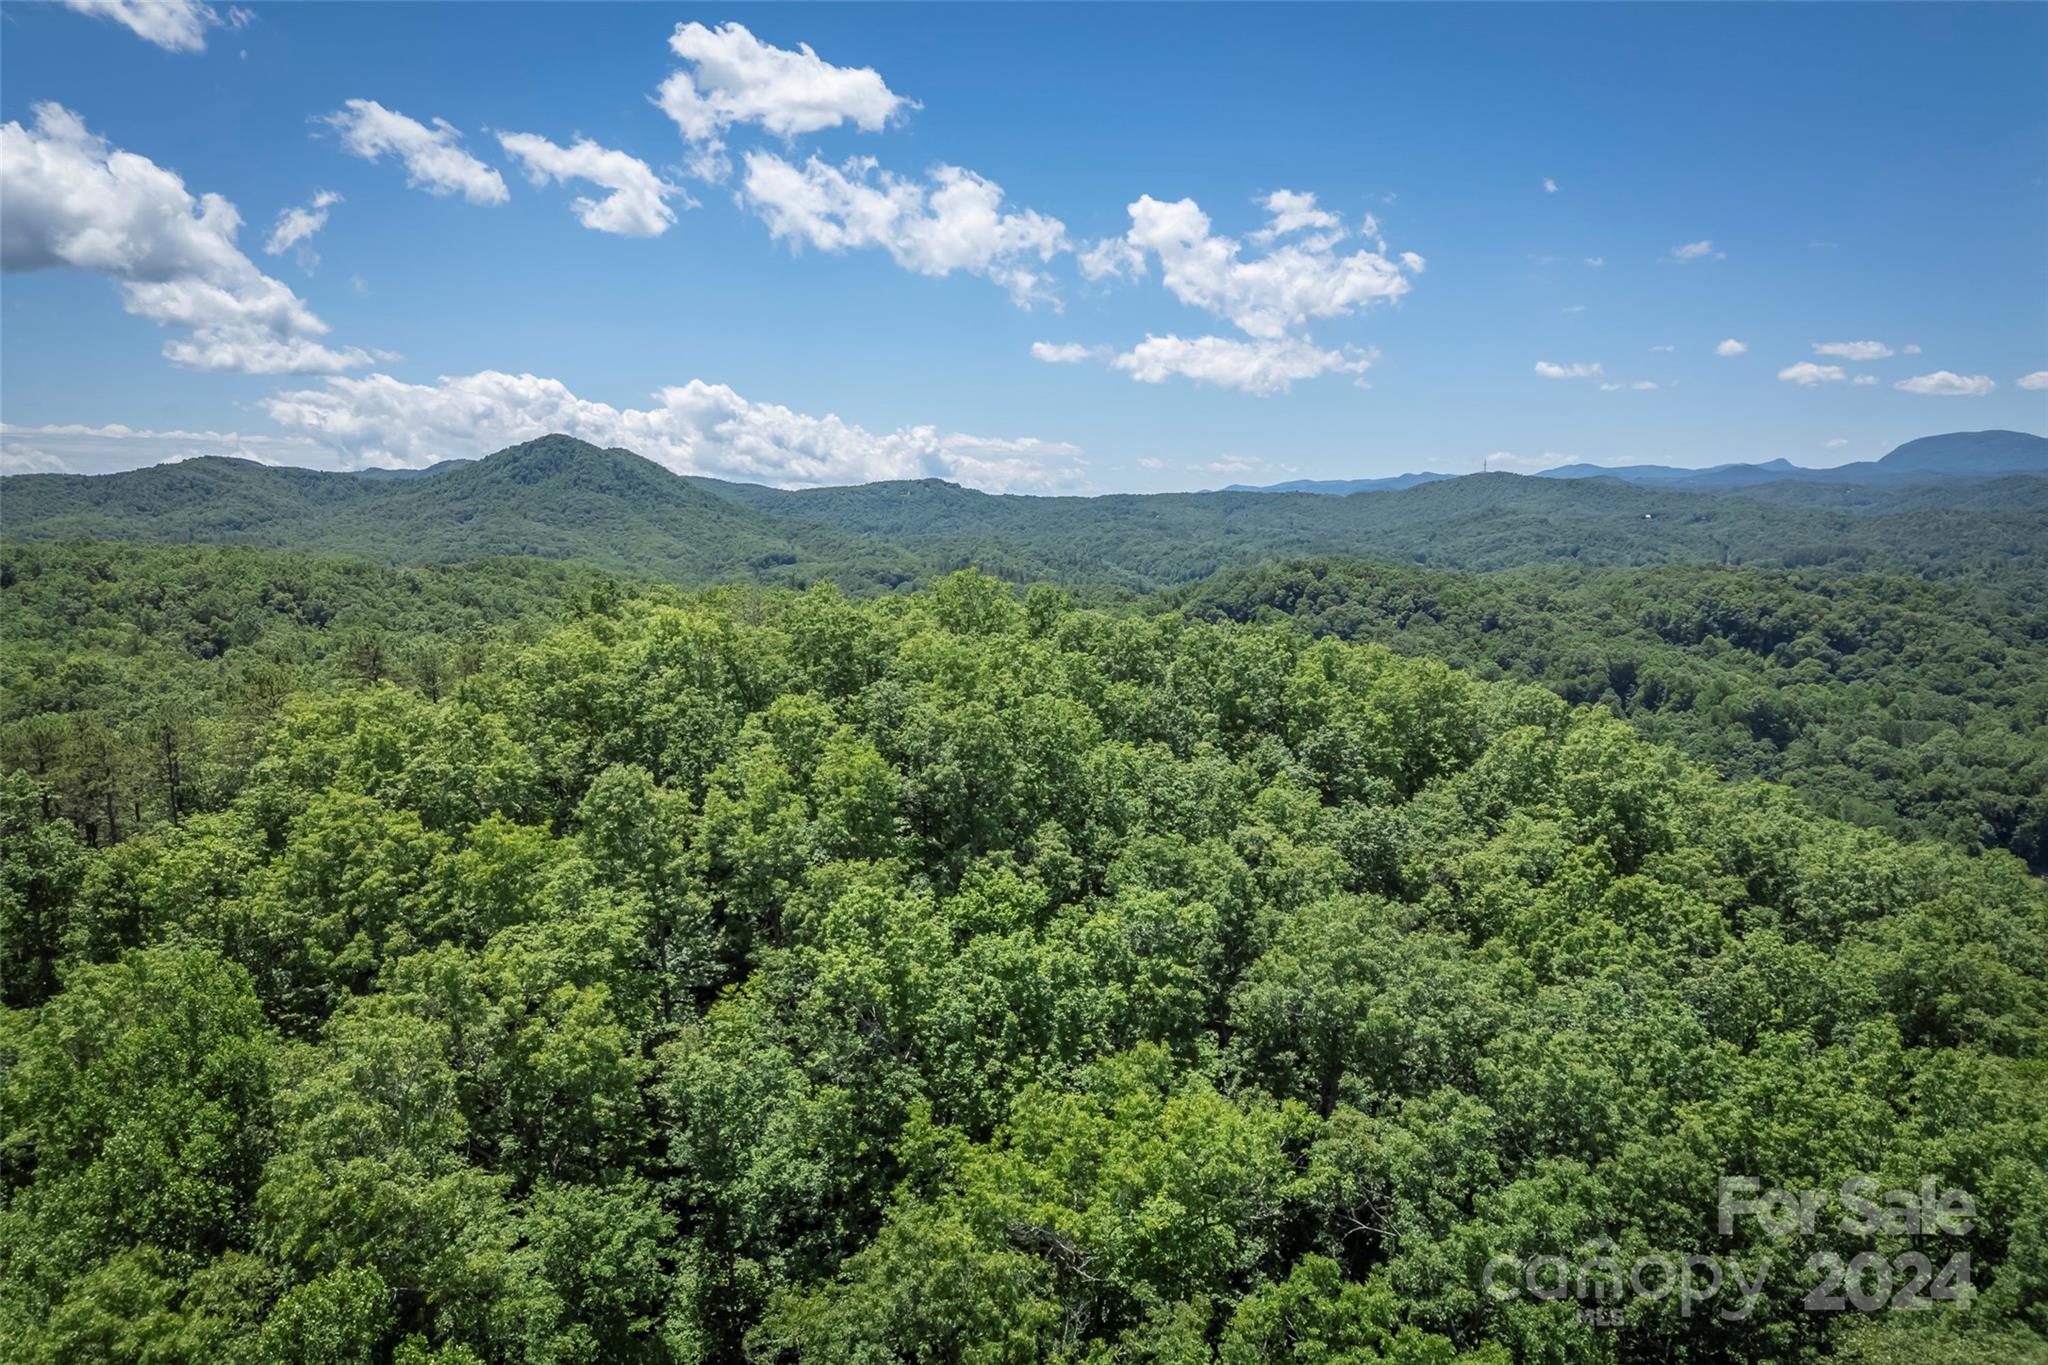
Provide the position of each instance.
(1916, 707)
(959, 975)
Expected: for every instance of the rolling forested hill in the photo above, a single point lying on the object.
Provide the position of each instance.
(553, 498)
(561, 498)
(1481, 522)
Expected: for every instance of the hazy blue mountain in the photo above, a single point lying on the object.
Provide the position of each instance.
(1980, 453)
(1720, 475)
(438, 467)
(1340, 488)
(1958, 454)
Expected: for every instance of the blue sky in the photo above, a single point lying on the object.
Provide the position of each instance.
(1170, 203)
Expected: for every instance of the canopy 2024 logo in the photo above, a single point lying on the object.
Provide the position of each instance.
(1924, 1274)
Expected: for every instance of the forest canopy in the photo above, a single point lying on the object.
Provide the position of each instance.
(533, 965)
(1912, 706)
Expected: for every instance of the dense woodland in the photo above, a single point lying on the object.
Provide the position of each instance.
(141, 678)
(1907, 705)
(536, 960)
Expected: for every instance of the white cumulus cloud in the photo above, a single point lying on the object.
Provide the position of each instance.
(1270, 294)
(692, 428)
(952, 220)
(1853, 350)
(734, 77)
(75, 448)
(635, 206)
(1551, 370)
(174, 25)
(74, 200)
(18, 458)
(1702, 250)
(1294, 211)
(1947, 384)
(1549, 185)
(1732, 347)
(298, 223)
(1809, 374)
(1060, 352)
(434, 157)
(2037, 380)
(1111, 258)
(1264, 367)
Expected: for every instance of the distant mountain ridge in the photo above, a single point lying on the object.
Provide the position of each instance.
(551, 498)
(1341, 487)
(562, 498)
(1956, 454)
(1673, 474)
